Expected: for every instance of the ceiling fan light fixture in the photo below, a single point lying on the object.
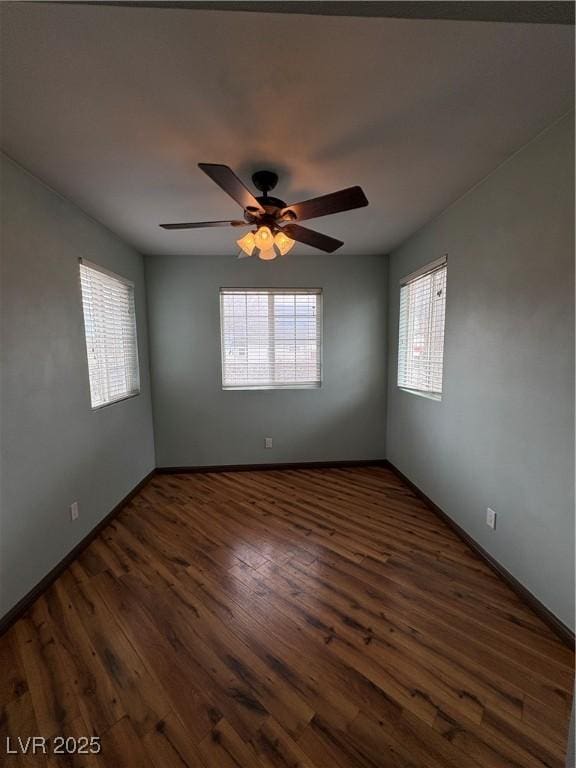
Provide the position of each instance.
(283, 243)
(268, 214)
(247, 243)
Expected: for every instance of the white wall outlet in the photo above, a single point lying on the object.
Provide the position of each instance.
(74, 511)
(267, 442)
(491, 518)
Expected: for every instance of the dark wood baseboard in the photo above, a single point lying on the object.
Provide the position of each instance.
(557, 626)
(22, 605)
(260, 467)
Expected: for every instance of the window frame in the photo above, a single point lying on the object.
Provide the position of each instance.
(318, 292)
(82, 262)
(426, 269)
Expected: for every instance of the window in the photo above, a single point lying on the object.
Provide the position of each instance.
(421, 332)
(110, 329)
(271, 338)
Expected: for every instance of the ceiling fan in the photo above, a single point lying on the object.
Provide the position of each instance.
(275, 228)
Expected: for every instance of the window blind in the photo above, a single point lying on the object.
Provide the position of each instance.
(271, 337)
(421, 329)
(110, 330)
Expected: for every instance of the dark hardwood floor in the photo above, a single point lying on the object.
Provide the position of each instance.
(293, 618)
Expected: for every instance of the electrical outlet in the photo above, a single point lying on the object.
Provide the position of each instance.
(491, 518)
(267, 442)
(74, 511)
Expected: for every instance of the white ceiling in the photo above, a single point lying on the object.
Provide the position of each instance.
(114, 107)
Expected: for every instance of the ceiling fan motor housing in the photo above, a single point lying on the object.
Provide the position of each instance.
(265, 180)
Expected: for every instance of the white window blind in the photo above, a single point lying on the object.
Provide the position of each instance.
(271, 337)
(421, 331)
(110, 329)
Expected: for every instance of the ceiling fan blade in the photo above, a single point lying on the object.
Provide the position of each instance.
(310, 237)
(198, 224)
(343, 200)
(231, 184)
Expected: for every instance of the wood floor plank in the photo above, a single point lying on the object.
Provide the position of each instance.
(143, 701)
(387, 597)
(167, 659)
(18, 722)
(122, 748)
(171, 745)
(276, 749)
(229, 694)
(47, 674)
(13, 682)
(238, 665)
(314, 618)
(353, 611)
(224, 748)
(277, 646)
(425, 689)
(98, 700)
(75, 752)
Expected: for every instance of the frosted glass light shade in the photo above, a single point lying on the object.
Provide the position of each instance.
(247, 243)
(263, 238)
(267, 254)
(283, 243)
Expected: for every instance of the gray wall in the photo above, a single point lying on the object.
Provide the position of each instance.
(55, 449)
(503, 434)
(197, 423)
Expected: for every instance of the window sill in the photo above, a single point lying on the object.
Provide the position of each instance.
(426, 395)
(117, 400)
(255, 387)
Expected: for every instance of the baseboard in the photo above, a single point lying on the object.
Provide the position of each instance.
(558, 627)
(260, 467)
(22, 605)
